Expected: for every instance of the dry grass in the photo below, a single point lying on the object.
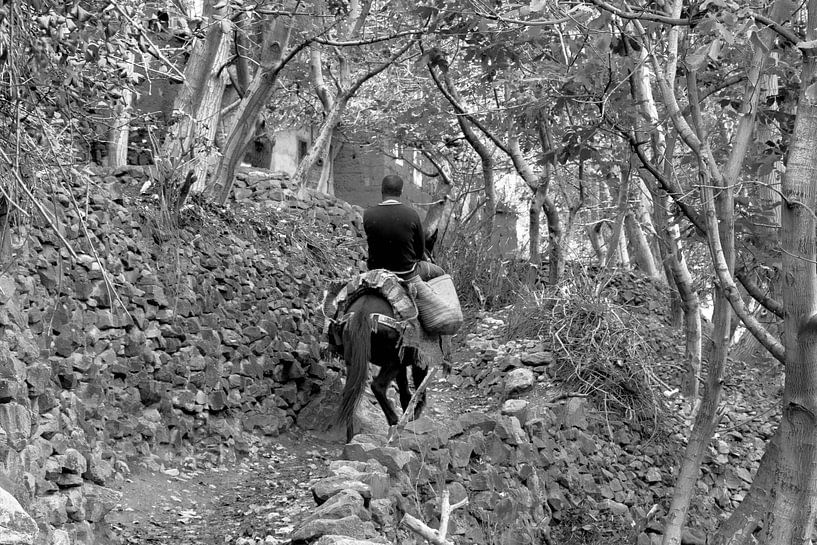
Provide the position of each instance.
(598, 348)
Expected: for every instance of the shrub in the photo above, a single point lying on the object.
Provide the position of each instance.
(598, 348)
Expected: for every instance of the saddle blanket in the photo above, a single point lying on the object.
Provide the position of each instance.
(340, 297)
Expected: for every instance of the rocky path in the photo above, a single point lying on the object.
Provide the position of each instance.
(257, 499)
(254, 500)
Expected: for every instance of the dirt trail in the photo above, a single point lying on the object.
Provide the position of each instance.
(257, 499)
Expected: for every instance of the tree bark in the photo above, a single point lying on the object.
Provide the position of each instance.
(795, 503)
(707, 418)
(641, 251)
(485, 155)
(273, 58)
(596, 239)
(617, 246)
(682, 279)
(537, 203)
(662, 225)
(189, 144)
(556, 260)
(752, 512)
(642, 197)
(120, 130)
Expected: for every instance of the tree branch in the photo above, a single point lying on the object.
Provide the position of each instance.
(722, 271)
(546, 22)
(642, 15)
(460, 110)
(784, 32)
(369, 41)
(772, 305)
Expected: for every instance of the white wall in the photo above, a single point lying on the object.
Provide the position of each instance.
(285, 150)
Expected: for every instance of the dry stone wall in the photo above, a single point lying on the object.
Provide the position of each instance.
(533, 471)
(154, 341)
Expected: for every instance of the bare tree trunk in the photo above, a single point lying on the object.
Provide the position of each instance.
(596, 240)
(485, 155)
(537, 201)
(682, 280)
(707, 418)
(662, 225)
(189, 144)
(273, 58)
(641, 251)
(692, 314)
(556, 259)
(326, 182)
(617, 245)
(120, 129)
(795, 503)
(752, 512)
(317, 149)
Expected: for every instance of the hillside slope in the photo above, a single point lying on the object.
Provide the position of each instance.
(154, 341)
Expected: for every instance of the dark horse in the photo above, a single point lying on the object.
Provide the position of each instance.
(361, 346)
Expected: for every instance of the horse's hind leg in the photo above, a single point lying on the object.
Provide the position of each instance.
(403, 388)
(418, 374)
(380, 387)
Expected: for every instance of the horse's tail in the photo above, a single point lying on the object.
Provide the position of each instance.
(357, 349)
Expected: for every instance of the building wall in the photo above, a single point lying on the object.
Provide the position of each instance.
(359, 171)
(286, 154)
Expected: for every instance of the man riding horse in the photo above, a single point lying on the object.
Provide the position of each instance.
(375, 320)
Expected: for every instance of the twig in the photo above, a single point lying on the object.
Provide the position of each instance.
(436, 537)
(410, 407)
(51, 222)
(155, 51)
(445, 511)
(112, 293)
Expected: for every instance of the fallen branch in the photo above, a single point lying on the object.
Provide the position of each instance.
(410, 407)
(436, 537)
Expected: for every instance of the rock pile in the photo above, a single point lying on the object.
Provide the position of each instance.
(155, 339)
(51, 465)
(642, 459)
(521, 481)
(527, 465)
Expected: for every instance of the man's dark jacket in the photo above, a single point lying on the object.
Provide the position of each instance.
(395, 235)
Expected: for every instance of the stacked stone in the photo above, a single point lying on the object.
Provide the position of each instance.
(520, 480)
(263, 186)
(147, 345)
(534, 468)
(49, 465)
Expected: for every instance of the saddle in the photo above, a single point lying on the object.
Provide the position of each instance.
(398, 293)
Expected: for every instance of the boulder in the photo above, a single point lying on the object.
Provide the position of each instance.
(519, 381)
(517, 408)
(394, 459)
(16, 526)
(347, 526)
(345, 503)
(328, 487)
(99, 501)
(575, 413)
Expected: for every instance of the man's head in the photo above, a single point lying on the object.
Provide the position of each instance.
(391, 186)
